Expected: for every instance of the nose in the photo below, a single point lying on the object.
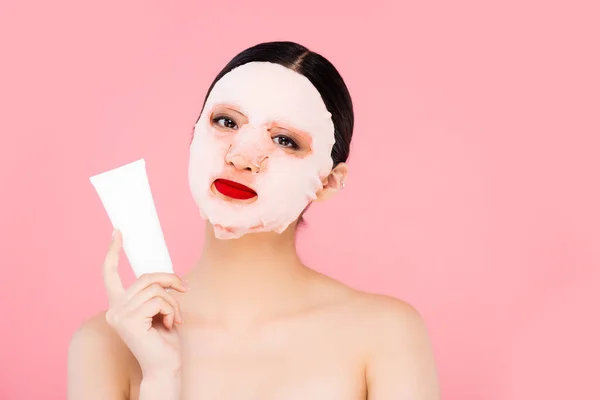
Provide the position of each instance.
(243, 163)
(249, 150)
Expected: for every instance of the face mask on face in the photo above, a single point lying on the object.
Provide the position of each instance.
(261, 150)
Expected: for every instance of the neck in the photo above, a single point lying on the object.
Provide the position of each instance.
(242, 279)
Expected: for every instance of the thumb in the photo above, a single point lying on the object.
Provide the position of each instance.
(112, 280)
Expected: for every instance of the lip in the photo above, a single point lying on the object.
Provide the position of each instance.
(233, 189)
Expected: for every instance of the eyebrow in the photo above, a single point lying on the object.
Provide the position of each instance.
(231, 107)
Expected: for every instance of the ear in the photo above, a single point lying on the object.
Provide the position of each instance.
(333, 182)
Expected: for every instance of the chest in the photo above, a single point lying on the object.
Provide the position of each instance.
(273, 377)
(284, 363)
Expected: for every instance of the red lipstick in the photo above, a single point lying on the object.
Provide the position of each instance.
(233, 189)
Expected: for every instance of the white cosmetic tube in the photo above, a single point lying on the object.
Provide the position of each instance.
(126, 196)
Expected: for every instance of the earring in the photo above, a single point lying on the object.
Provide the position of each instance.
(343, 185)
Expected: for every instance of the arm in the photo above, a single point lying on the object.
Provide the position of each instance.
(160, 388)
(100, 366)
(101, 361)
(401, 364)
(96, 365)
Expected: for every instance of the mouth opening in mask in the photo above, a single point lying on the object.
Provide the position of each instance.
(233, 189)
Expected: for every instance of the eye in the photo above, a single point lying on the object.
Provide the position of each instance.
(285, 141)
(225, 122)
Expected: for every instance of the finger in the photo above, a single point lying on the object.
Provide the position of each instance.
(152, 291)
(163, 279)
(150, 309)
(110, 271)
(168, 321)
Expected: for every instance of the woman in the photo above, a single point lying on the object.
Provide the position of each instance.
(273, 137)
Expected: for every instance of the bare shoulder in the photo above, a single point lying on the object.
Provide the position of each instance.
(380, 310)
(389, 313)
(399, 360)
(95, 334)
(94, 328)
(398, 355)
(99, 363)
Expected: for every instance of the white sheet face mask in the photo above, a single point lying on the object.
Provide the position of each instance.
(252, 119)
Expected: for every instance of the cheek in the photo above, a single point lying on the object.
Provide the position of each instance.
(213, 142)
(289, 173)
(207, 153)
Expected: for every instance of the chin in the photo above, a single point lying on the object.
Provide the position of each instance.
(225, 233)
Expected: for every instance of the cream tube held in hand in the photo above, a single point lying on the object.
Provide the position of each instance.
(126, 196)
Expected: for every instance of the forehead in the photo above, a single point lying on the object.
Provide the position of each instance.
(267, 92)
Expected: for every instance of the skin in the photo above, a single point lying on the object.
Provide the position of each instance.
(257, 324)
(250, 321)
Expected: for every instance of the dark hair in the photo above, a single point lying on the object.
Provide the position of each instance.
(320, 72)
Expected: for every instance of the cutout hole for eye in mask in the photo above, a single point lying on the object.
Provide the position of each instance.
(226, 118)
(294, 142)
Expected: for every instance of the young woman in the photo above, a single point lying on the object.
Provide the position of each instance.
(250, 321)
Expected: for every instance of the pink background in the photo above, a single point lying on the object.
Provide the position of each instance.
(473, 192)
